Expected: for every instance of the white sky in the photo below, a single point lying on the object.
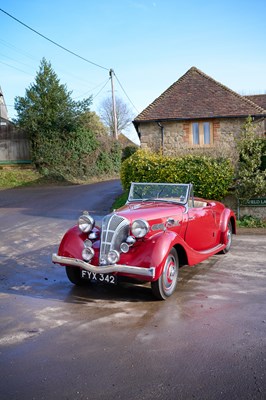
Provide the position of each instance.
(148, 44)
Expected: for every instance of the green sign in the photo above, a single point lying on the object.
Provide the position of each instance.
(259, 202)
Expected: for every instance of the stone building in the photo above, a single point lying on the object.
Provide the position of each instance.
(198, 114)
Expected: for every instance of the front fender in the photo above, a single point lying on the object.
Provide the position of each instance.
(153, 252)
(72, 243)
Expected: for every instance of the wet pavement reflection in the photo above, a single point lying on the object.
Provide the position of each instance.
(207, 341)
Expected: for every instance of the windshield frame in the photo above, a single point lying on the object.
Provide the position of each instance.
(186, 189)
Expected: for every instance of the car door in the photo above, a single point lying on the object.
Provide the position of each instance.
(202, 232)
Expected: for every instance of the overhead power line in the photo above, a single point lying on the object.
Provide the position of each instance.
(111, 72)
(52, 41)
(18, 69)
(103, 84)
(125, 92)
(101, 89)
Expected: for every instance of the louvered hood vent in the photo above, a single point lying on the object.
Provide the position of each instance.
(115, 230)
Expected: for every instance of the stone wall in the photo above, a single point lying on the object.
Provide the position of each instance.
(241, 210)
(258, 212)
(175, 137)
(150, 136)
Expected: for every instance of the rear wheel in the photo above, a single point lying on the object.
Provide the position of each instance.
(166, 284)
(73, 274)
(229, 236)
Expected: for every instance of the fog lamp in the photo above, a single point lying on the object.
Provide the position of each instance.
(124, 247)
(113, 256)
(130, 240)
(87, 253)
(87, 243)
(93, 235)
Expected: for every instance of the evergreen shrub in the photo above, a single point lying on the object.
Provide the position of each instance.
(79, 156)
(211, 177)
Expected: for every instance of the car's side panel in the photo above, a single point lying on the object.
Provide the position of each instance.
(202, 229)
(153, 252)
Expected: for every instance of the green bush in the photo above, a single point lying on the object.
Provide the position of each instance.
(248, 221)
(251, 176)
(78, 156)
(128, 151)
(210, 176)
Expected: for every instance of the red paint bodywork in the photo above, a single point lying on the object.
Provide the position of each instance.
(197, 234)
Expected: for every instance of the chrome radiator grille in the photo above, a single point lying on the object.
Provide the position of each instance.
(115, 230)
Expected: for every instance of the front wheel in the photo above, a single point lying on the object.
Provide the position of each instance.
(73, 274)
(166, 284)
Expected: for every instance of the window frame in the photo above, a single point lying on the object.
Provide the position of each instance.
(201, 135)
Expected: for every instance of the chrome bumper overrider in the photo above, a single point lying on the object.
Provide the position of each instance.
(127, 269)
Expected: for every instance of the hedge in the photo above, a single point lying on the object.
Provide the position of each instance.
(80, 155)
(211, 177)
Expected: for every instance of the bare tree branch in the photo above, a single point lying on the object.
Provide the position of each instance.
(123, 114)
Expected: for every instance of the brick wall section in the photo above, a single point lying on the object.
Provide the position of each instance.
(186, 128)
(216, 130)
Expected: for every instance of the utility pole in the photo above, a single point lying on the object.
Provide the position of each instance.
(111, 73)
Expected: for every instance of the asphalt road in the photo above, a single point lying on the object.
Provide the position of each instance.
(208, 341)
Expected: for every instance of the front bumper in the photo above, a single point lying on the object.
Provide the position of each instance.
(107, 269)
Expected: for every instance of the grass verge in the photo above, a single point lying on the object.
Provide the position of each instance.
(14, 177)
(120, 201)
(21, 177)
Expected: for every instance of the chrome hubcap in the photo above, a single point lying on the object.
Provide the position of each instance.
(169, 273)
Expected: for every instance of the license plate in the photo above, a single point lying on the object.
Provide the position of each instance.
(94, 277)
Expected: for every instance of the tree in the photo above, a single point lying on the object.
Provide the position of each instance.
(47, 107)
(251, 177)
(92, 122)
(124, 115)
(68, 141)
(47, 112)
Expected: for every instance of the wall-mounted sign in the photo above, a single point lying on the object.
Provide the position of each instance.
(258, 202)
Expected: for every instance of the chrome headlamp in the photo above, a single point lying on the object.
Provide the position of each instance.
(86, 222)
(139, 228)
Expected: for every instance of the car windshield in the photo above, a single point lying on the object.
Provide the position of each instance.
(170, 192)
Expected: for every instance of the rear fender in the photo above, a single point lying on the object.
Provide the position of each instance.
(226, 217)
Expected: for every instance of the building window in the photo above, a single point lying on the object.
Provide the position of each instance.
(195, 127)
(201, 134)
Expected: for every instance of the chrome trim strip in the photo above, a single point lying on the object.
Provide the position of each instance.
(128, 269)
(216, 249)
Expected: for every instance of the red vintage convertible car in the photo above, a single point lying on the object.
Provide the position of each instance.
(161, 227)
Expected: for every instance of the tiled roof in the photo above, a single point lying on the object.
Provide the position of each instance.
(196, 95)
(125, 141)
(259, 99)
